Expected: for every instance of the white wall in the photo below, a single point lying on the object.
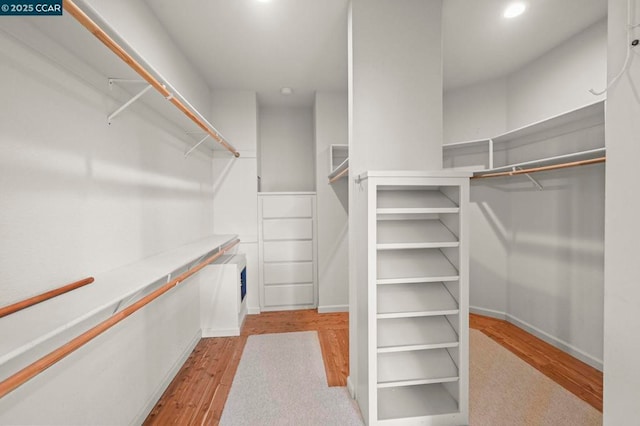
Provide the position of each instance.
(622, 294)
(560, 79)
(481, 107)
(537, 256)
(395, 123)
(80, 197)
(286, 149)
(235, 194)
(396, 83)
(332, 205)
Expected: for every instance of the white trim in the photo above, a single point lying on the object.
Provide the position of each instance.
(253, 310)
(224, 332)
(488, 312)
(140, 418)
(333, 308)
(560, 344)
(552, 340)
(351, 388)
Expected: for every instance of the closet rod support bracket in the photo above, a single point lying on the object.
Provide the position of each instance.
(533, 180)
(115, 113)
(186, 154)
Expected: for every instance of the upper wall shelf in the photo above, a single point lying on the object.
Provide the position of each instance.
(338, 162)
(104, 57)
(584, 117)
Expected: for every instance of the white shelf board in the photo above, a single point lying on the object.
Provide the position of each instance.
(416, 211)
(591, 114)
(415, 368)
(465, 143)
(574, 156)
(443, 173)
(423, 265)
(410, 300)
(399, 234)
(26, 329)
(415, 402)
(413, 199)
(410, 334)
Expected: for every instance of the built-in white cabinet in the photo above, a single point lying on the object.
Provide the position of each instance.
(412, 297)
(223, 302)
(287, 250)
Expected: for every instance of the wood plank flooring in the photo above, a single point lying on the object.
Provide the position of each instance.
(199, 391)
(572, 374)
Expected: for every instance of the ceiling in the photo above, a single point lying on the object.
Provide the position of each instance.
(302, 44)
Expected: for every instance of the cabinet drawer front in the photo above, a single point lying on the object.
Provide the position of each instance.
(287, 229)
(287, 295)
(288, 273)
(288, 251)
(274, 207)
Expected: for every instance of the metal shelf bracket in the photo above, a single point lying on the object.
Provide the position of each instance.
(186, 154)
(535, 182)
(113, 81)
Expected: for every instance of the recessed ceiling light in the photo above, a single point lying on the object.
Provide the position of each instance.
(286, 91)
(514, 9)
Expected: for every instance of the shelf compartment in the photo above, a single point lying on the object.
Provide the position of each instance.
(415, 401)
(414, 266)
(411, 334)
(415, 300)
(409, 234)
(415, 200)
(416, 368)
(585, 116)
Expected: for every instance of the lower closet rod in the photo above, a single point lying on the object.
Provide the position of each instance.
(543, 168)
(23, 304)
(56, 355)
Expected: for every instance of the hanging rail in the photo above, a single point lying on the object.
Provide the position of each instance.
(543, 168)
(90, 25)
(339, 175)
(23, 304)
(32, 370)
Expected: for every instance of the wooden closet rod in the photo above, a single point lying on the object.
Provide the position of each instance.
(56, 355)
(23, 304)
(543, 168)
(90, 25)
(339, 175)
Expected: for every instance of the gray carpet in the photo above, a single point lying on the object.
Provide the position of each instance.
(506, 391)
(281, 381)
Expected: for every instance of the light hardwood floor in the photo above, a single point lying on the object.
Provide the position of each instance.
(198, 393)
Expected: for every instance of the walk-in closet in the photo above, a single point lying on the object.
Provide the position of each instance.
(336, 212)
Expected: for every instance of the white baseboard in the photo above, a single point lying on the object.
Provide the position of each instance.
(253, 311)
(333, 308)
(552, 340)
(488, 312)
(558, 343)
(351, 388)
(225, 332)
(167, 380)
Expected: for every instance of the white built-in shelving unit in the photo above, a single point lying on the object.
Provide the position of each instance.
(338, 162)
(493, 154)
(412, 291)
